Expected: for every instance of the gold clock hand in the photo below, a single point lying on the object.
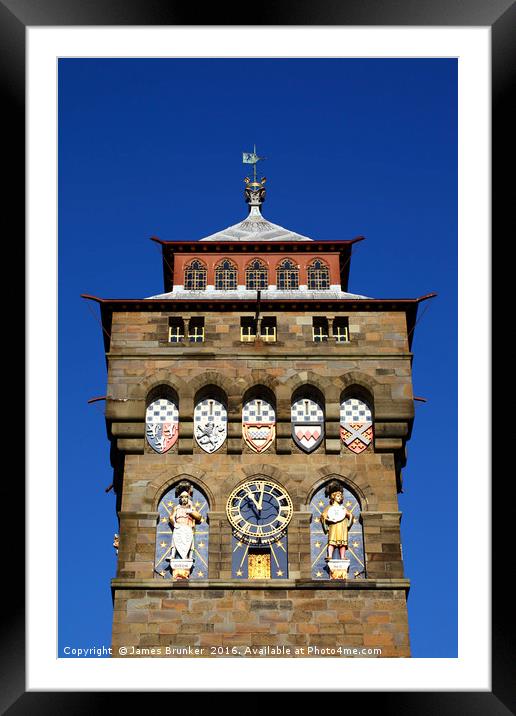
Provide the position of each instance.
(261, 496)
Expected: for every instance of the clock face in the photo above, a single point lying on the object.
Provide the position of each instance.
(259, 511)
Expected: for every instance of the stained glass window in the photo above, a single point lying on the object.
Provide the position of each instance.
(195, 276)
(287, 275)
(226, 276)
(256, 276)
(318, 276)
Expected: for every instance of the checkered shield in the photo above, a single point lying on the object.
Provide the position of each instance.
(307, 424)
(258, 424)
(162, 425)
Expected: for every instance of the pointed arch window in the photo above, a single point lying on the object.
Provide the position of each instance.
(287, 275)
(318, 276)
(195, 276)
(256, 276)
(226, 276)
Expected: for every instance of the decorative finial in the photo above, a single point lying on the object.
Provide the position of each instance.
(254, 190)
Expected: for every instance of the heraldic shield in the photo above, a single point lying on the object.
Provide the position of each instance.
(307, 424)
(356, 425)
(258, 424)
(162, 425)
(183, 538)
(210, 424)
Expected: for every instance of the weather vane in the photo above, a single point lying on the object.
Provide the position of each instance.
(252, 158)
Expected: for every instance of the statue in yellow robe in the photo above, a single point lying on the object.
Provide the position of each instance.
(336, 521)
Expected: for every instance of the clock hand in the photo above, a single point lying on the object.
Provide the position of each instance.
(250, 494)
(261, 497)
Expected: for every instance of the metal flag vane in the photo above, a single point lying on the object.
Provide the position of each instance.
(252, 158)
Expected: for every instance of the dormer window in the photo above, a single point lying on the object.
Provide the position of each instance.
(226, 276)
(195, 276)
(318, 276)
(256, 276)
(287, 275)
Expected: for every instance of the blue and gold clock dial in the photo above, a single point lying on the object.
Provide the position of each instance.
(259, 512)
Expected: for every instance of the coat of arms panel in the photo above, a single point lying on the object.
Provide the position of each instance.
(258, 424)
(210, 424)
(162, 425)
(356, 425)
(307, 424)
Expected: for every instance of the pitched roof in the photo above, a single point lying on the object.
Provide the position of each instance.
(256, 227)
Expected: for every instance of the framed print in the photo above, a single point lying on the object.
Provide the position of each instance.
(99, 183)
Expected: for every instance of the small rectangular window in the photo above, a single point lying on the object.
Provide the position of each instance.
(341, 329)
(196, 330)
(268, 329)
(319, 329)
(247, 329)
(176, 330)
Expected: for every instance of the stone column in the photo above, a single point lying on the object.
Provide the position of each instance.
(382, 545)
(137, 546)
(332, 428)
(299, 545)
(186, 426)
(215, 548)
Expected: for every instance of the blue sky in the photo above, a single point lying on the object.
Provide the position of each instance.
(153, 147)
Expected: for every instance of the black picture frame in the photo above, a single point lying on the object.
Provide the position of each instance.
(15, 17)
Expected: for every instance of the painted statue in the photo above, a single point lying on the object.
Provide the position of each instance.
(336, 521)
(183, 520)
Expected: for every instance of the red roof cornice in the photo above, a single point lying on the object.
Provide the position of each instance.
(215, 246)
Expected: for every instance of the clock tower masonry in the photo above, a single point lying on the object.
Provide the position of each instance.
(258, 414)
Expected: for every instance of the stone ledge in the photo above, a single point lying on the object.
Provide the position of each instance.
(168, 584)
(224, 354)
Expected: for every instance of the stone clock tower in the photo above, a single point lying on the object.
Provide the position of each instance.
(258, 414)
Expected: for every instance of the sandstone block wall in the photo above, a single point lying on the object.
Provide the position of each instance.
(237, 623)
(376, 362)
